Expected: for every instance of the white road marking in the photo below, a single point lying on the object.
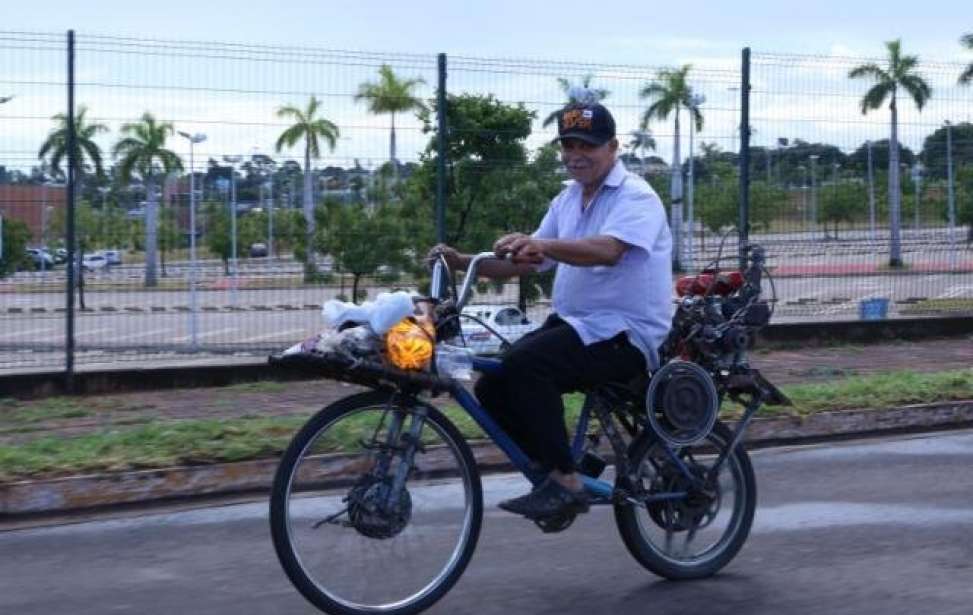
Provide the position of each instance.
(143, 334)
(215, 332)
(286, 335)
(24, 333)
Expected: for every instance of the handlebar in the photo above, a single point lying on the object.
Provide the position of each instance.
(439, 277)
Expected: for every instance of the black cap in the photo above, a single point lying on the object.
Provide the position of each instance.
(589, 122)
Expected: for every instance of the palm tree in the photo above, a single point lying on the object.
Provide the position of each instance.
(641, 141)
(55, 147)
(670, 92)
(143, 153)
(391, 95)
(900, 72)
(581, 93)
(311, 129)
(967, 41)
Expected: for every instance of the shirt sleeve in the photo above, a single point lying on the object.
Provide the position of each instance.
(636, 220)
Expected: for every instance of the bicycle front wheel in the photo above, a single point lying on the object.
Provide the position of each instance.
(376, 506)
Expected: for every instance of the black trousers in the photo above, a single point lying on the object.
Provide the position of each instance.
(524, 396)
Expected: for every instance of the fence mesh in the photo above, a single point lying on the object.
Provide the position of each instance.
(169, 128)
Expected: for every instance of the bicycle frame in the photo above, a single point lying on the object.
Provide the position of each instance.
(601, 491)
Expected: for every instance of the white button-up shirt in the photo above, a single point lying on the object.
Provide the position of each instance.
(634, 295)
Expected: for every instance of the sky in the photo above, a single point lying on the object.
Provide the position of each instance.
(628, 31)
(794, 100)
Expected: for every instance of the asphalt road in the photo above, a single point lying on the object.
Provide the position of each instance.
(863, 527)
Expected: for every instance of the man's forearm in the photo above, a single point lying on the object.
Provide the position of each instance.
(588, 252)
(496, 268)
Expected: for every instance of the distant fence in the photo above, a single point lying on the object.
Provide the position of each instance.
(218, 178)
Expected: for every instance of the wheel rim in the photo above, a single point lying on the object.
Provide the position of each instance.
(696, 531)
(359, 571)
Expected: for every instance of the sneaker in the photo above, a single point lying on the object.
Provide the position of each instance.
(547, 499)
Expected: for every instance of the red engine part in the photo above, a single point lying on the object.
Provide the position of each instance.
(722, 284)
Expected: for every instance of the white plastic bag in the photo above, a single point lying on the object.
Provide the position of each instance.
(380, 315)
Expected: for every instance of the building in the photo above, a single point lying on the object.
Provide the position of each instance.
(34, 205)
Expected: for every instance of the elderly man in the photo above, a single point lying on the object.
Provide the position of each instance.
(607, 236)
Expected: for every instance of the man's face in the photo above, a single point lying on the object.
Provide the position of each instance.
(588, 163)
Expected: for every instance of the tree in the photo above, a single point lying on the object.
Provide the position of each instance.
(900, 72)
(55, 147)
(858, 159)
(576, 94)
(142, 152)
(669, 93)
(934, 149)
(16, 236)
(312, 130)
(641, 141)
(360, 241)
(967, 75)
(842, 202)
(391, 95)
(485, 141)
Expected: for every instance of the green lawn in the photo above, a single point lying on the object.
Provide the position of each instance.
(169, 443)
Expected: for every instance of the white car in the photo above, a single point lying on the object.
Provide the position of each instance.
(94, 262)
(507, 320)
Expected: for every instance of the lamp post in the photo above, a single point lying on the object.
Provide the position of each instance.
(916, 178)
(193, 302)
(814, 194)
(871, 191)
(803, 170)
(233, 161)
(696, 100)
(834, 197)
(950, 196)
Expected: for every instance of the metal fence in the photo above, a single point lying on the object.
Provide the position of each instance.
(211, 115)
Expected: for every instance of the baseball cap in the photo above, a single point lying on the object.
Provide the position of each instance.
(589, 122)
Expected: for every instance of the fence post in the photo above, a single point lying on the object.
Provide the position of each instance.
(73, 258)
(744, 225)
(441, 153)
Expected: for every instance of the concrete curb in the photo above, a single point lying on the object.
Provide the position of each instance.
(75, 493)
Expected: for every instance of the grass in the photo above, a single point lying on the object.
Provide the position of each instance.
(170, 443)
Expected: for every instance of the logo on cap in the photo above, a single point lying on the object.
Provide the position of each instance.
(576, 118)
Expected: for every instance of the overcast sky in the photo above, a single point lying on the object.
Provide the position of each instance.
(811, 102)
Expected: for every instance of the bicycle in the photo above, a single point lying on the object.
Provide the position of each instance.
(363, 517)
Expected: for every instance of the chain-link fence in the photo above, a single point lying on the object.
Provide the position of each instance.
(209, 227)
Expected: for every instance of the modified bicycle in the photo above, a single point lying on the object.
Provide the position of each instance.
(377, 502)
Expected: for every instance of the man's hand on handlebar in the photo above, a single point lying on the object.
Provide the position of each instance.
(453, 257)
(520, 248)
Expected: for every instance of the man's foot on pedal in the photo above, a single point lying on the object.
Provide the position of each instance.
(547, 499)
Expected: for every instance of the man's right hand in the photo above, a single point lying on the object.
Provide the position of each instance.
(453, 257)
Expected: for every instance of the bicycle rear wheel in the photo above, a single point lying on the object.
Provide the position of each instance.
(349, 537)
(696, 536)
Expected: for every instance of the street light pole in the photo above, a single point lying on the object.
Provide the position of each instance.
(834, 198)
(871, 192)
(696, 100)
(270, 217)
(233, 160)
(916, 178)
(193, 300)
(950, 195)
(814, 194)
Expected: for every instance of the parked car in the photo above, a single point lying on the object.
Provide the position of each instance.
(258, 250)
(507, 320)
(60, 256)
(40, 258)
(114, 257)
(94, 262)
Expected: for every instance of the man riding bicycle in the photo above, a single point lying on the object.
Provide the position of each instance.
(607, 236)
